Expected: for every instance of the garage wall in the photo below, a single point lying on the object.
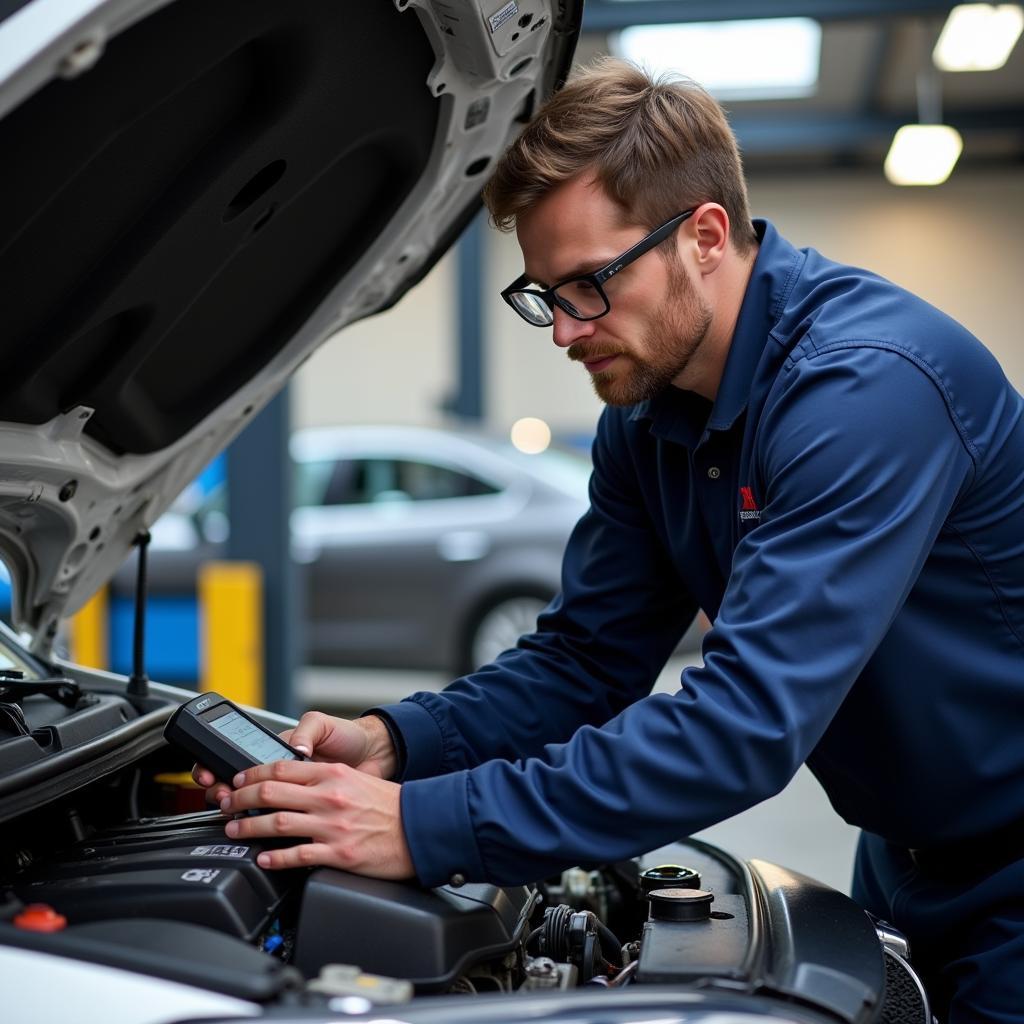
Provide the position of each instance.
(396, 367)
(960, 246)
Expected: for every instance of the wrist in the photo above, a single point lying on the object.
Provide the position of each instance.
(380, 745)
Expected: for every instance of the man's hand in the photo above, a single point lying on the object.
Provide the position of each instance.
(364, 743)
(351, 817)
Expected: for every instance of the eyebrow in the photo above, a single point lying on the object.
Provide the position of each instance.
(579, 270)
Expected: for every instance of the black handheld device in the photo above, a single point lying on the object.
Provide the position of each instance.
(224, 738)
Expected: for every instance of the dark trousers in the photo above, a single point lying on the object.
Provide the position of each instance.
(966, 929)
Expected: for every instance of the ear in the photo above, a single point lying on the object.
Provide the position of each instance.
(709, 226)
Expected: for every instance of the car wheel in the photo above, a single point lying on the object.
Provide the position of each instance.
(500, 626)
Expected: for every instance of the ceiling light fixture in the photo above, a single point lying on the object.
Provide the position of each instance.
(759, 59)
(978, 37)
(924, 153)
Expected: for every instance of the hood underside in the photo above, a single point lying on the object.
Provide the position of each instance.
(197, 194)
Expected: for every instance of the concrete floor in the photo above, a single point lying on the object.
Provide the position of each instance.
(797, 828)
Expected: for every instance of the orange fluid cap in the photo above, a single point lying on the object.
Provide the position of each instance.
(40, 917)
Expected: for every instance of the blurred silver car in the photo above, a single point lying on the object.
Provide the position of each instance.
(421, 548)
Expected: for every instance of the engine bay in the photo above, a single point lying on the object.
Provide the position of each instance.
(129, 870)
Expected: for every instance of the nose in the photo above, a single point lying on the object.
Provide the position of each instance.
(566, 329)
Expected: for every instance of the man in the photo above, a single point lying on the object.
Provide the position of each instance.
(829, 467)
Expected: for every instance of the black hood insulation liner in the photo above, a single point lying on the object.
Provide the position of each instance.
(173, 215)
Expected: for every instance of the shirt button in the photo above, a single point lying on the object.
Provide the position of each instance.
(457, 880)
(714, 472)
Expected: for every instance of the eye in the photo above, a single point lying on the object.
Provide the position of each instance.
(576, 286)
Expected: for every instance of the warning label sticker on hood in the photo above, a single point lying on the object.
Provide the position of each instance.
(510, 10)
(219, 851)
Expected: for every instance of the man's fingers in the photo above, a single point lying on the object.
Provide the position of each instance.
(301, 746)
(268, 796)
(215, 790)
(313, 729)
(287, 784)
(216, 793)
(301, 856)
(271, 825)
(299, 772)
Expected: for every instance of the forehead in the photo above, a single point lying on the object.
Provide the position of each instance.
(576, 226)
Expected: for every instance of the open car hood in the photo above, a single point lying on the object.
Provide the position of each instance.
(196, 194)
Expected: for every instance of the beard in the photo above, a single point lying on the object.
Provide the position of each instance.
(674, 333)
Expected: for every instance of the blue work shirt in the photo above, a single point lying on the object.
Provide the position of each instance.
(850, 515)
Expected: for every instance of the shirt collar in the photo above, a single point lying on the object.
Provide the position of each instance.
(775, 271)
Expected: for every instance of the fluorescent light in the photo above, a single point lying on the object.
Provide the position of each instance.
(531, 435)
(766, 58)
(923, 154)
(978, 37)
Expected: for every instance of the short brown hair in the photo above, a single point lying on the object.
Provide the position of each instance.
(656, 145)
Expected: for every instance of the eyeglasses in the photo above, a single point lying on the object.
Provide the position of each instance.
(582, 296)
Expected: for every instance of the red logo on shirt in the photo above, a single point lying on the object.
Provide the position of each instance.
(749, 509)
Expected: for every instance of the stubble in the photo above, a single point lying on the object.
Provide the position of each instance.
(674, 334)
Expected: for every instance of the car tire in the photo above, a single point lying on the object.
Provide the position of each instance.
(498, 626)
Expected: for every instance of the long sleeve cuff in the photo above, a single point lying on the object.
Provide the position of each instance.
(421, 746)
(438, 830)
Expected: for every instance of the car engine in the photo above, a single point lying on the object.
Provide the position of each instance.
(130, 871)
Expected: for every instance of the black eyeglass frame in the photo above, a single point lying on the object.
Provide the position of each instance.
(597, 278)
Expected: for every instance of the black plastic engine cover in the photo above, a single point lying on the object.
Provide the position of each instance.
(180, 869)
(428, 936)
(673, 952)
(772, 931)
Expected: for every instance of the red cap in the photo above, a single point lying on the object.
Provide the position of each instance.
(40, 917)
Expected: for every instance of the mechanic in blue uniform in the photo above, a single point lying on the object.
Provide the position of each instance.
(828, 466)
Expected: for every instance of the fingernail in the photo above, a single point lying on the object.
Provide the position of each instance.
(302, 749)
(238, 780)
(225, 803)
(263, 860)
(231, 828)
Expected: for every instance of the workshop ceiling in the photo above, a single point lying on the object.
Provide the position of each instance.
(871, 54)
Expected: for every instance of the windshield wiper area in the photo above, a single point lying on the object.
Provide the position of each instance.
(14, 686)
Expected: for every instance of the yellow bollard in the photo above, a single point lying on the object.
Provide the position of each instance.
(231, 631)
(89, 632)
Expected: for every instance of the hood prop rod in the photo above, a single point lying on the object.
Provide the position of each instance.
(138, 683)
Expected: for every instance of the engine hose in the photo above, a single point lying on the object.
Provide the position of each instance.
(555, 932)
(624, 976)
(556, 942)
(609, 944)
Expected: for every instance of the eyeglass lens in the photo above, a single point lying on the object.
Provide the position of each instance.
(532, 308)
(579, 298)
